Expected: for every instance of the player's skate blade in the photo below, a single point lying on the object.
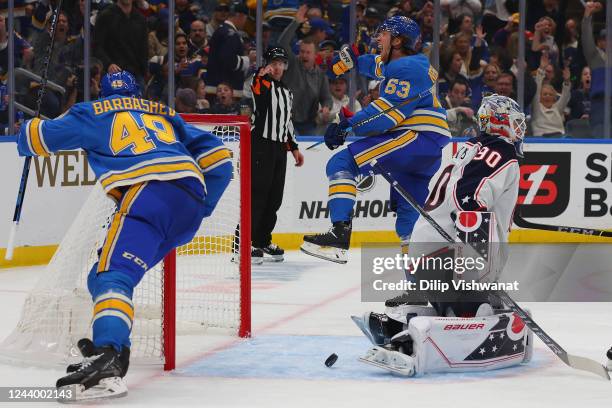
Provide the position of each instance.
(99, 376)
(107, 388)
(328, 253)
(392, 361)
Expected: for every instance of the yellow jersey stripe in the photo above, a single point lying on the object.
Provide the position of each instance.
(117, 225)
(35, 138)
(395, 115)
(390, 145)
(153, 169)
(115, 304)
(425, 120)
(342, 189)
(213, 158)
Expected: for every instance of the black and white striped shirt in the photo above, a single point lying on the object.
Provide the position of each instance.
(271, 118)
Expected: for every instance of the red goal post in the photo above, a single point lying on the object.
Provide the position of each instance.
(244, 172)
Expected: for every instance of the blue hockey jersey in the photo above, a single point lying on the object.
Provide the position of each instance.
(402, 79)
(127, 140)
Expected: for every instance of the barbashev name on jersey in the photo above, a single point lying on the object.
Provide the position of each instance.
(126, 103)
(464, 285)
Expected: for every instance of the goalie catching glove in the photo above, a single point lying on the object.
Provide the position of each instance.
(337, 131)
(345, 60)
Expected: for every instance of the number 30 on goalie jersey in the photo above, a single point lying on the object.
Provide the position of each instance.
(484, 176)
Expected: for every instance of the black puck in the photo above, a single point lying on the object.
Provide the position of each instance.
(608, 354)
(331, 360)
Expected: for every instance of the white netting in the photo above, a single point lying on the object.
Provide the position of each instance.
(58, 311)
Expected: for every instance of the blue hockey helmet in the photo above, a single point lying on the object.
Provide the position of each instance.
(120, 83)
(404, 27)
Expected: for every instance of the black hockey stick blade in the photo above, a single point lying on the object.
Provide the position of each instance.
(523, 223)
(579, 363)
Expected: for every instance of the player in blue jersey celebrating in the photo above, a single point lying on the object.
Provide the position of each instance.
(154, 166)
(406, 140)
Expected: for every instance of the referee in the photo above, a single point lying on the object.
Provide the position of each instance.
(272, 137)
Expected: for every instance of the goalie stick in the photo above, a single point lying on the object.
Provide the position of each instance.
(577, 362)
(523, 223)
(379, 114)
(28, 160)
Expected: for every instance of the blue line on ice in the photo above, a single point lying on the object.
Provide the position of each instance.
(302, 357)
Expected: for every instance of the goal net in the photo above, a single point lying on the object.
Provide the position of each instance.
(204, 284)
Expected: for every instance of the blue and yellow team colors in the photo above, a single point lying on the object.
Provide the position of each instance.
(165, 175)
(407, 141)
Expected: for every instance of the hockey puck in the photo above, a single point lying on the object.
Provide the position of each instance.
(608, 354)
(331, 360)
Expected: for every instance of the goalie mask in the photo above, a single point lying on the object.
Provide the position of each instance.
(501, 116)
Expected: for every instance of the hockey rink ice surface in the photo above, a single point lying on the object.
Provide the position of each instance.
(301, 310)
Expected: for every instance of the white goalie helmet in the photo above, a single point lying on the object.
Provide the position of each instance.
(501, 116)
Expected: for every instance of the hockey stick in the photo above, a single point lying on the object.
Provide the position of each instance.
(523, 223)
(379, 114)
(579, 363)
(28, 160)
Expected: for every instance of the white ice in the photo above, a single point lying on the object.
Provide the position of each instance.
(301, 310)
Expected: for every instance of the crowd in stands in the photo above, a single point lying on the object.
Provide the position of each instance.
(214, 55)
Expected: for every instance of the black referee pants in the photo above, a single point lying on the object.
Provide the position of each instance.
(268, 168)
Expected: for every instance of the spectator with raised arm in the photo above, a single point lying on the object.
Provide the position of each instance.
(547, 112)
(544, 40)
(595, 55)
(307, 82)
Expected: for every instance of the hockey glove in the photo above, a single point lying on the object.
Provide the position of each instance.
(336, 134)
(345, 60)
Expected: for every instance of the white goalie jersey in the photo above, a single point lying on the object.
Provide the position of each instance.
(483, 176)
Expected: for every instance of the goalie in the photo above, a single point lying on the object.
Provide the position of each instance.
(477, 192)
(405, 129)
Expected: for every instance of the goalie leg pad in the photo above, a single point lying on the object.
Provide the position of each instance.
(469, 344)
(441, 344)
